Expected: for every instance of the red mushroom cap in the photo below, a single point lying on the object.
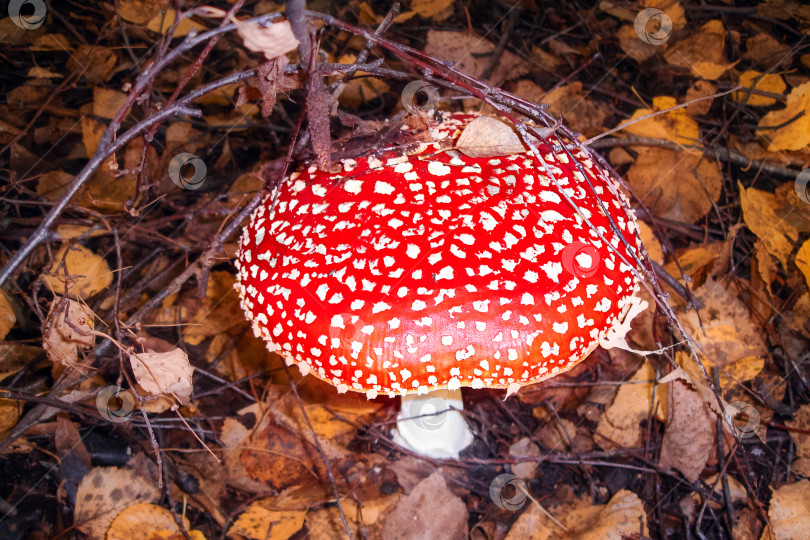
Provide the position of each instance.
(410, 273)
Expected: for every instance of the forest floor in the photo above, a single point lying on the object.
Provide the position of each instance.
(122, 200)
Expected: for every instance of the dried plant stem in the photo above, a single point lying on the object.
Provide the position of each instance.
(109, 143)
(723, 154)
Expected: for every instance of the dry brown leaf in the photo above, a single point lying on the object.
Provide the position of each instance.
(673, 8)
(137, 11)
(79, 261)
(15, 356)
(367, 16)
(439, 512)
(801, 435)
(766, 51)
(109, 192)
(143, 521)
(557, 435)
(803, 261)
(326, 523)
(53, 184)
(37, 72)
(579, 111)
(234, 435)
(545, 60)
(707, 46)
(161, 23)
(698, 90)
(710, 70)
(94, 62)
(360, 90)
(60, 341)
(622, 517)
(438, 10)
(7, 316)
(486, 136)
(103, 493)
(284, 433)
(92, 130)
(106, 103)
(255, 522)
(760, 214)
(9, 414)
(793, 207)
(218, 312)
(525, 447)
(689, 438)
(163, 373)
(470, 54)
(789, 511)
(272, 41)
(676, 185)
(620, 423)
(695, 263)
(11, 33)
(651, 243)
(736, 489)
(182, 136)
(51, 42)
(634, 47)
(730, 333)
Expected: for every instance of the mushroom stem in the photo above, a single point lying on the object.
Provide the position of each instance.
(431, 425)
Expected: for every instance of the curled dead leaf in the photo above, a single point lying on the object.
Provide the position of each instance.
(486, 136)
(162, 373)
(106, 491)
(62, 338)
(272, 41)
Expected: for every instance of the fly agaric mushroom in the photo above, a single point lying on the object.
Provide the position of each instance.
(409, 273)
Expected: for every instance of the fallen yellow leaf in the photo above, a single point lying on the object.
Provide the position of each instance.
(143, 521)
(161, 23)
(674, 125)
(788, 128)
(91, 134)
(7, 317)
(759, 211)
(9, 414)
(803, 261)
(255, 522)
(79, 261)
(771, 82)
(107, 102)
(710, 70)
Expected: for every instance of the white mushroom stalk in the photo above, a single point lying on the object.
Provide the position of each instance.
(453, 265)
(432, 426)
